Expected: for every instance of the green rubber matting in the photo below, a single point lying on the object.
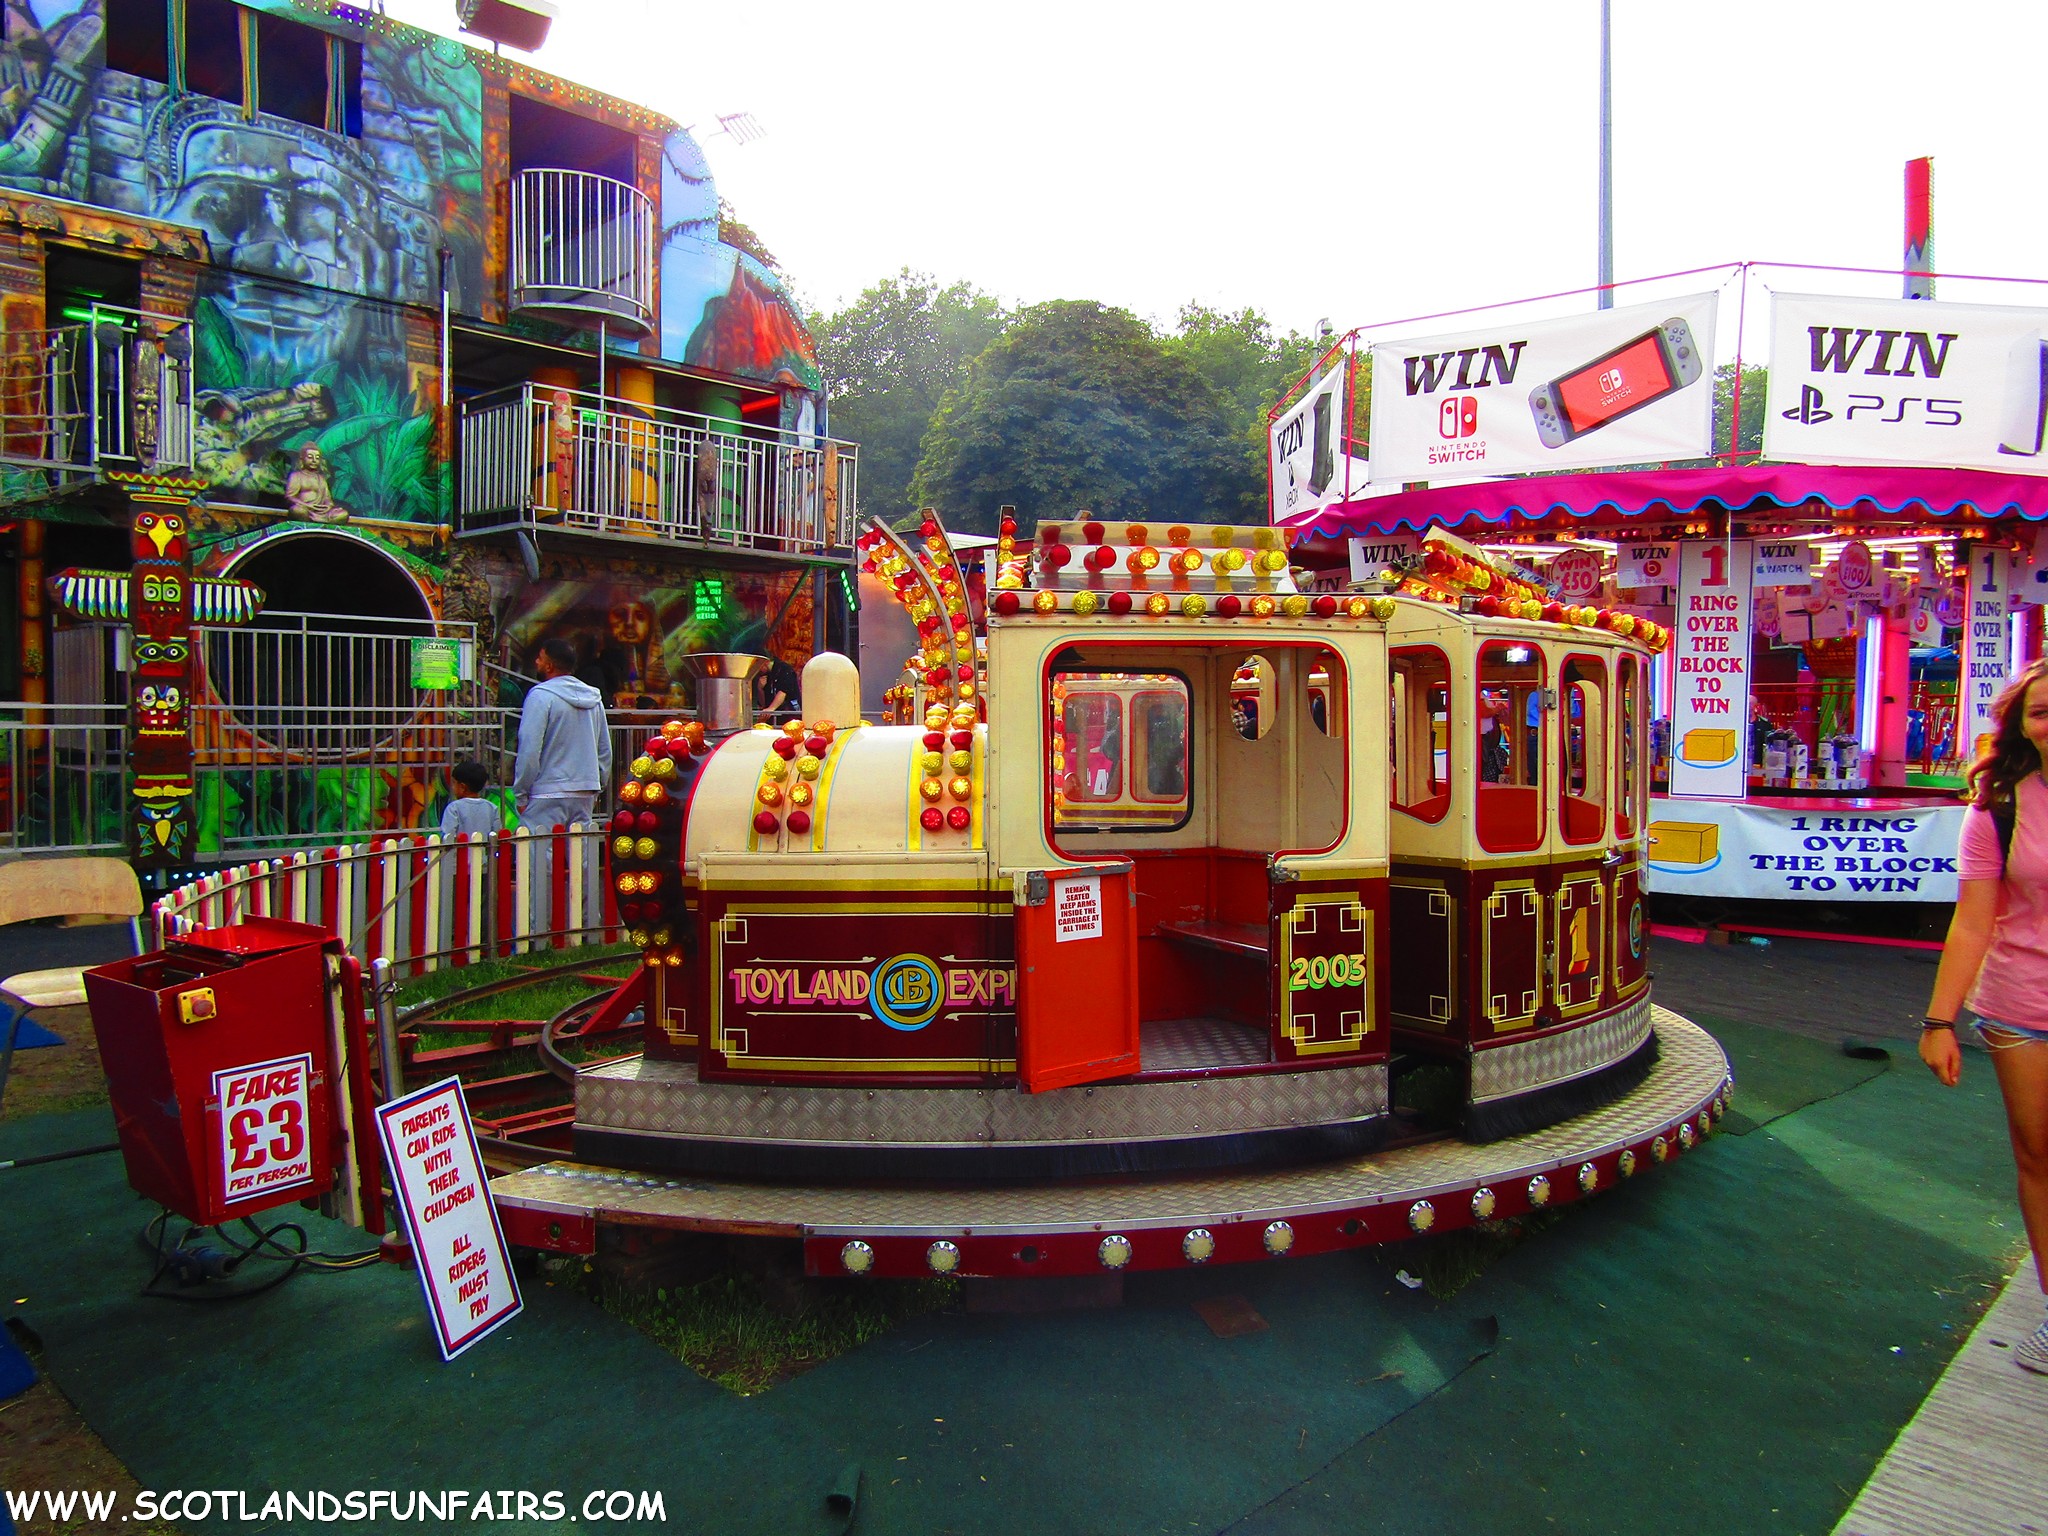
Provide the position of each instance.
(1728, 1343)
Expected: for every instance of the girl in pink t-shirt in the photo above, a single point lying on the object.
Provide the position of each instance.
(1996, 958)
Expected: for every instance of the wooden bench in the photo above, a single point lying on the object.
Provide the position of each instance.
(1230, 938)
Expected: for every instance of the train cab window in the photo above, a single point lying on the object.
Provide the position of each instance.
(1251, 698)
(1118, 748)
(1582, 721)
(1159, 737)
(1511, 747)
(1326, 694)
(1627, 743)
(1419, 680)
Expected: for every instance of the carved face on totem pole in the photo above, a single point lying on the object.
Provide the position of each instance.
(160, 735)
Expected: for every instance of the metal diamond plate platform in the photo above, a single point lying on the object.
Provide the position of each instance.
(1071, 1228)
(665, 1098)
(1501, 1071)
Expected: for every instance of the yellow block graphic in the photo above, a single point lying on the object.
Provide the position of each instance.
(1684, 842)
(1708, 746)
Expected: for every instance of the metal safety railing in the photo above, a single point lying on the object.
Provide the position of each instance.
(421, 902)
(61, 769)
(557, 458)
(582, 243)
(111, 390)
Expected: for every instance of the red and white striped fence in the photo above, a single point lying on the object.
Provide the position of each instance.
(421, 902)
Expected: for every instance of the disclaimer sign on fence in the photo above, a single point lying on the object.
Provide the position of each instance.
(457, 1244)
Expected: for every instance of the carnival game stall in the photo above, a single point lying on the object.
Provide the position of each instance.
(1844, 603)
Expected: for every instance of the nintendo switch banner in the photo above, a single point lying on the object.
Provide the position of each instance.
(1905, 381)
(1866, 850)
(1305, 449)
(1620, 386)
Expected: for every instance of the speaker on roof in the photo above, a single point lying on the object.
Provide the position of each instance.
(521, 24)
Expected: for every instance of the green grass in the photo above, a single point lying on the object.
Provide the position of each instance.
(746, 1332)
(602, 959)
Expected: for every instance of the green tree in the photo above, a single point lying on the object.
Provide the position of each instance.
(1249, 367)
(1079, 406)
(890, 357)
(1756, 379)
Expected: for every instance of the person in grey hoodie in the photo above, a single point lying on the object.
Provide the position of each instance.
(565, 749)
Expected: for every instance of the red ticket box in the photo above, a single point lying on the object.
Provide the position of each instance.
(219, 1051)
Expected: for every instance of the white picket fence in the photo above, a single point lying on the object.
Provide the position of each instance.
(421, 902)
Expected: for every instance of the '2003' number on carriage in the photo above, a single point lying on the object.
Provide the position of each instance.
(1326, 971)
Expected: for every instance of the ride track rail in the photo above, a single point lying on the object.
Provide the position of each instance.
(522, 1114)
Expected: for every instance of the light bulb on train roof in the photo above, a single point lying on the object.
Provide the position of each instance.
(665, 769)
(1179, 533)
(964, 718)
(801, 793)
(622, 847)
(1229, 605)
(645, 847)
(1119, 603)
(960, 786)
(1156, 604)
(1383, 608)
(1357, 607)
(932, 819)
(959, 818)
(1045, 602)
(799, 821)
(1009, 581)
(651, 794)
(626, 884)
(1187, 561)
(1224, 561)
(960, 760)
(776, 768)
(1141, 560)
(642, 766)
(931, 762)
(630, 790)
(1086, 603)
(671, 729)
(638, 936)
(769, 794)
(1194, 605)
(648, 880)
(765, 823)
(1271, 561)
(1294, 605)
(931, 789)
(964, 690)
(1006, 602)
(1263, 606)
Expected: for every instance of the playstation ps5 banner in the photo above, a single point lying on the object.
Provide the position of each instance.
(1619, 386)
(1907, 381)
(1305, 448)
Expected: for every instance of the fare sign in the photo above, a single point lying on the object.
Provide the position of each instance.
(1710, 662)
(457, 1245)
(266, 1130)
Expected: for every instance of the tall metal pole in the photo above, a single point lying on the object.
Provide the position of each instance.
(1606, 156)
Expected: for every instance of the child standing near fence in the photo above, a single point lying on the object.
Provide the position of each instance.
(469, 811)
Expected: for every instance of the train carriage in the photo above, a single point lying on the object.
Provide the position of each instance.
(1130, 896)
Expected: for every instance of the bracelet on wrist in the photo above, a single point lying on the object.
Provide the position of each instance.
(1933, 1023)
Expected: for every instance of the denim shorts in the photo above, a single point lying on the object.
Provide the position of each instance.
(2016, 1034)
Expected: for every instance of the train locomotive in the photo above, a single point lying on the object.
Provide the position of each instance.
(1180, 868)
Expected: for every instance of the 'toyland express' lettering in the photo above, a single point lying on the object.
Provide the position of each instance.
(848, 987)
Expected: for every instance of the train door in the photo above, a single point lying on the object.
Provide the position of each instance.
(1425, 885)
(1626, 941)
(1510, 822)
(1581, 898)
(1077, 963)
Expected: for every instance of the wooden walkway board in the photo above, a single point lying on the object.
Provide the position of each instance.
(1974, 1460)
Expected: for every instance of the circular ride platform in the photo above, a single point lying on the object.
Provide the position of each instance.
(1107, 1226)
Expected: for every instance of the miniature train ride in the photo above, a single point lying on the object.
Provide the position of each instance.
(1181, 870)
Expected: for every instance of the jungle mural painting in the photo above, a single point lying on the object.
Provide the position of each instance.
(317, 239)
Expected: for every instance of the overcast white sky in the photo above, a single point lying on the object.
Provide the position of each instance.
(1354, 162)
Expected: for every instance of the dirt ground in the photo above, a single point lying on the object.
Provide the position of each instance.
(43, 1441)
(55, 1078)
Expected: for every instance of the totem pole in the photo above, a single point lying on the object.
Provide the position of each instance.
(161, 600)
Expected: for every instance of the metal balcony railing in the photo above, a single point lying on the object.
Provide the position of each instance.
(112, 390)
(582, 243)
(539, 457)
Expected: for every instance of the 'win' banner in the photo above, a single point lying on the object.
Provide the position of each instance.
(1906, 381)
(1619, 386)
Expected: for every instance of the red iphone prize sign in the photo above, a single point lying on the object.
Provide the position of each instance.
(266, 1140)
(457, 1244)
(1710, 665)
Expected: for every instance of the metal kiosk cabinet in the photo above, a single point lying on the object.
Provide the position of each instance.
(220, 1052)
